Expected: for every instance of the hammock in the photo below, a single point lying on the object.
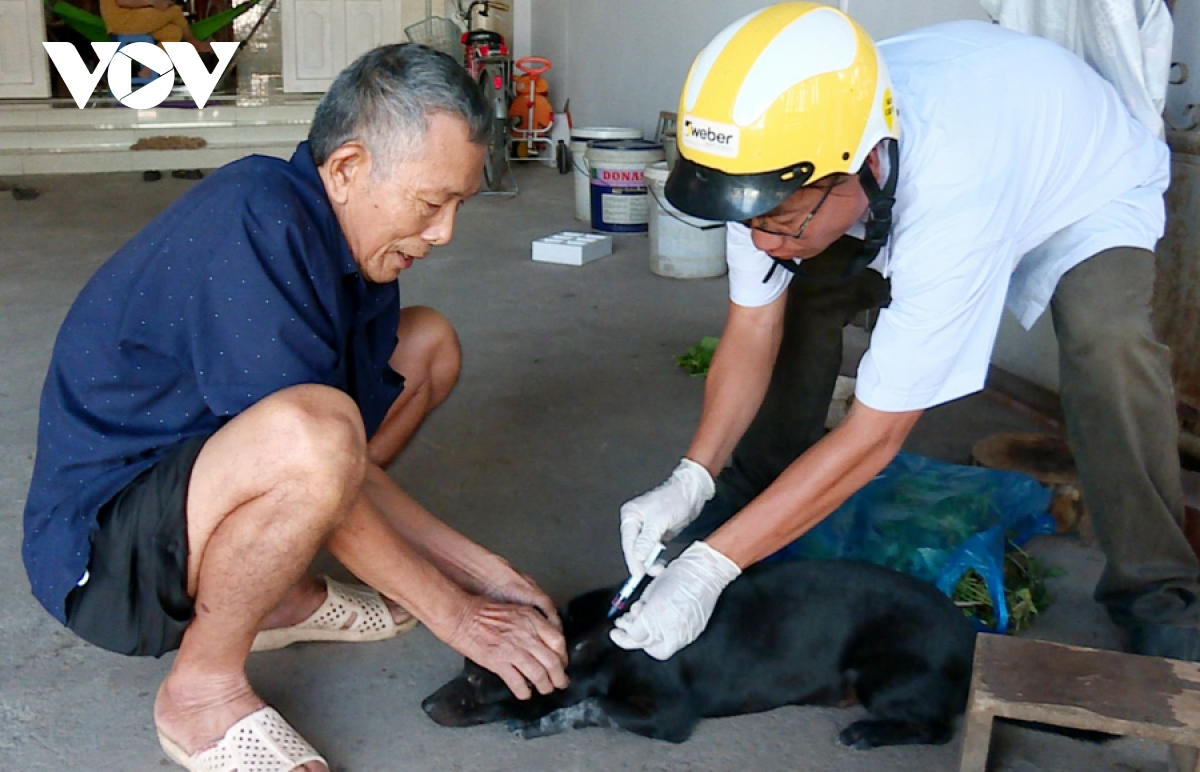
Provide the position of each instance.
(92, 26)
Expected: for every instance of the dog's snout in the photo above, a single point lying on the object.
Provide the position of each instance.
(455, 704)
(443, 711)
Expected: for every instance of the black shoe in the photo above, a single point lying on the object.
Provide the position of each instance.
(1181, 643)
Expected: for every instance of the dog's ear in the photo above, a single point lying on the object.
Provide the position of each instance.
(591, 651)
(586, 611)
(486, 687)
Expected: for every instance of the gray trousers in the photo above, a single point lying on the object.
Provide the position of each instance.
(1116, 392)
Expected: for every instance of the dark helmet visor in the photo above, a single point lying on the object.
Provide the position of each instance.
(710, 194)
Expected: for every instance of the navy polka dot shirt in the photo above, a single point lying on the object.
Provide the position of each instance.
(243, 287)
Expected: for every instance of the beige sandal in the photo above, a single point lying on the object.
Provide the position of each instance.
(349, 614)
(261, 741)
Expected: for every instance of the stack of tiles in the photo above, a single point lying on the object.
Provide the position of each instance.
(572, 248)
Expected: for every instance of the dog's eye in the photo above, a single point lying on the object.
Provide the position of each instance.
(473, 679)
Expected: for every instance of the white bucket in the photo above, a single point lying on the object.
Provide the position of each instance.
(620, 203)
(681, 247)
(672, 150)
(579, 142)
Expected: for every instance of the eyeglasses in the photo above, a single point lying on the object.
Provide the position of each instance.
(804, 225)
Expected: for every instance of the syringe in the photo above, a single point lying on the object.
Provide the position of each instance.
(621, 600)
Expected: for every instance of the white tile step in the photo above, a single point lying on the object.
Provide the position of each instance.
(88, 161)
(42, 116)
(56, 137)
(62, 140)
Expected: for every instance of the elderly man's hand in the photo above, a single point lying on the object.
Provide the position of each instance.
(515, 642)
(508, 585)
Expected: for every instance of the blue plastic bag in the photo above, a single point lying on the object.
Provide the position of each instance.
(936, 521)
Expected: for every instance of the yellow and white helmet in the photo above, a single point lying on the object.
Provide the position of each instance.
(782, 97)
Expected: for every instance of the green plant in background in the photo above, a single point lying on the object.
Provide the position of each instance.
(697, 359)
(1024, 591)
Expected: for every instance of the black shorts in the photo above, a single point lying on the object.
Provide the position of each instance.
(135, 599)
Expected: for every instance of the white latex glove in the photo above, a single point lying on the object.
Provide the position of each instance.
(676, 606)
(662, 513)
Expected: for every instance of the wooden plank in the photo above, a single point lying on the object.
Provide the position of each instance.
(1083, 688)
(977, 729)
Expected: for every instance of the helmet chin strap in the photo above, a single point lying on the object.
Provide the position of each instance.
(879, 218)
(879, 205)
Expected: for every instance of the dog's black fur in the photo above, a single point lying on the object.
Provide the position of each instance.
(790, 633)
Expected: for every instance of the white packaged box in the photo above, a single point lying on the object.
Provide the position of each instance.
(572, 248)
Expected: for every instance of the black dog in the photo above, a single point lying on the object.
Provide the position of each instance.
(793, 633)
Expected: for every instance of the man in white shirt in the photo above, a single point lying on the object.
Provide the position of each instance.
(991, 169)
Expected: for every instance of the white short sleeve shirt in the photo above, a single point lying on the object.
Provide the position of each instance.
(1017, 162)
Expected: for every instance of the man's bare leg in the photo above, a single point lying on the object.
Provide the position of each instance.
(264, 494)
(412, 557)
(428, 355)
(181, 29)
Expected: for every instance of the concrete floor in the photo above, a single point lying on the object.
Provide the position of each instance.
(569, 404)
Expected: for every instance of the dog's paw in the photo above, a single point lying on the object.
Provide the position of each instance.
(857, 736)
(526, 730)
(865, 734)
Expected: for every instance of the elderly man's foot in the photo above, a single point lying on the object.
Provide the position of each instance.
(192, 718)
(305, 597)
(335, 613)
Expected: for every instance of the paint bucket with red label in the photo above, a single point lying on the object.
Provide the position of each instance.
(580, 137)
(620, 203)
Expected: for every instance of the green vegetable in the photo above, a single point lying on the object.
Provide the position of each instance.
(1024, 591)
(697, 359)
